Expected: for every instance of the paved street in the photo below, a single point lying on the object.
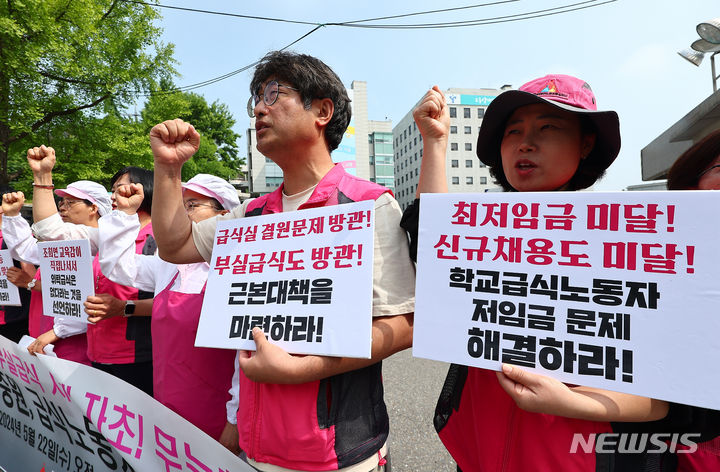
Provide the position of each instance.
(412, 386)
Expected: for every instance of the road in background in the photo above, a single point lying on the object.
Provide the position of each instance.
(412, 386)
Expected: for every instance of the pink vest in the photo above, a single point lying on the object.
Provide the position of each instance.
(121, 340)
(191, 381)
(38, 323)
(322, 425)
(487, 431)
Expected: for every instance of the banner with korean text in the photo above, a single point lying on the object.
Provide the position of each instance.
(611, 290)
(57, 415)
(9, 294)
(303, 277)
(67, 277)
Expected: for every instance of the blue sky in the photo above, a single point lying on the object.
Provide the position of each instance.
(626, 50)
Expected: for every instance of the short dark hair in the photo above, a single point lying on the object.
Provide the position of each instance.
(138, 175)
(685, 172)
(589, 171)
(314, 80)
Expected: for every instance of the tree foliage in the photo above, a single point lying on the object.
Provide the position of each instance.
(63, 63)
(94, 148)
(218, 153)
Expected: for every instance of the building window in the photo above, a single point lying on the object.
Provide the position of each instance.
(454, 163)
(468, 130)
(273, 181)
(481, 112)
(453, 146)
(415, 141)
(453, 130)
(468, 163)
(456, 180)
(468, 146)
(466, 112)
(468, 180)
(483, 180)
(453, 112)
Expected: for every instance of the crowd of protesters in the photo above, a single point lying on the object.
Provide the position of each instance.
(152, 239)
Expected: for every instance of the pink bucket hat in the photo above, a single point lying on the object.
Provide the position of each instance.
(561, 91)
(214, 187)
(88, 190)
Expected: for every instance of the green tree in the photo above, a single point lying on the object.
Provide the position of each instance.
(218, 153)
(64, 64)
(94, 148)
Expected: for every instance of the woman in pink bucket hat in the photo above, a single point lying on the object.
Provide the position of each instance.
(546, 136)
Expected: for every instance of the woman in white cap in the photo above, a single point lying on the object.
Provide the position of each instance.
(546, 136)
(192, 381)
(82, 203)
(119, 340)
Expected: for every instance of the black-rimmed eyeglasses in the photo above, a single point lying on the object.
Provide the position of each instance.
(708, 170)
(269, 96)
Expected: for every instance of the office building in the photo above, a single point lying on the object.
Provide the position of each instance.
(465, 172)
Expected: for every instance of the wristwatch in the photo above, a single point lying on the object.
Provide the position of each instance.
(129, 309)
(31, 284)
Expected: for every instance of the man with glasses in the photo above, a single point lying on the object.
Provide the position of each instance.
(318, 413)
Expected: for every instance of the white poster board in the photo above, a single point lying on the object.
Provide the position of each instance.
(9, 295)
(59, 415)
(67, 277)
(303, 277)
(611, 290)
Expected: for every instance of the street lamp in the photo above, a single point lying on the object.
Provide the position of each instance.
(709, 32)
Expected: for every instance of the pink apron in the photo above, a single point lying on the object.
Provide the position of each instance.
(191, 381)
(109, 341)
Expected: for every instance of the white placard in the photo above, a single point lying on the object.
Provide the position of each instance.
(611, 290)
(303, 277)
(59, 415)
(67, 277)
(9, 295)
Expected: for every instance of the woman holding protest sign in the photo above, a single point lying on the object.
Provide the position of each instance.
(119, 333)
(82, 203)
(546, 136)
(194, 382)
